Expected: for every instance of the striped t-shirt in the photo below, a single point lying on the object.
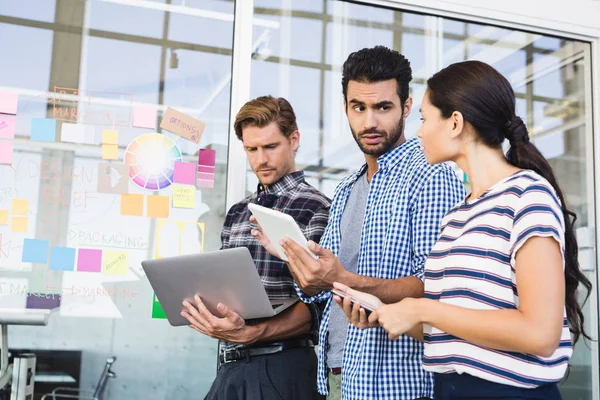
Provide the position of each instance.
(473, 266)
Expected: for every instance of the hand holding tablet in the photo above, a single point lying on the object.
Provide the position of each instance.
(277, 226)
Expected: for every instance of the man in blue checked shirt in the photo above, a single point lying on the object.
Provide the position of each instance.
(384, 219)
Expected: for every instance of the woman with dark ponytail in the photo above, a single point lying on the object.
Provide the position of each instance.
(500, 314)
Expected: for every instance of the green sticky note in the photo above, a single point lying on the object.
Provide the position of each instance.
(157, 310)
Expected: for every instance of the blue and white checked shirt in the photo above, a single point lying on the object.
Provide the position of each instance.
(406, 202)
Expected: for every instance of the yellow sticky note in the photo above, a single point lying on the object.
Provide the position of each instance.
(110, 136)
(110, 152)
(158, 207)
(20, 206)
(115, 262)
(3, 217)
(132, 204)
(18, 224)
(184, 196)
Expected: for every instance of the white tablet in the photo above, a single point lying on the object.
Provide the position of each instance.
(276, 226)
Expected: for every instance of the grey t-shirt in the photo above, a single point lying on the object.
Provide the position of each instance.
(350, 228)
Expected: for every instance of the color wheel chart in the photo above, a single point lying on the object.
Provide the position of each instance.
(151, 159)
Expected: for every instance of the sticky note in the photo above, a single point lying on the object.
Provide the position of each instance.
(8, 103)
(62, 258)
(185, 172)
(158, 207)
(43, 129)
(7, 126)
(132, 204)
(144, 117)
(18, 224)
(110, 136)
(157, 311)
(35, 251)
(6, 153)
(115, 262)
(46, 301)
(202, 183)
(110, 152)
(76, 133)
(20, 206)
(207, 157)
(184, 196)
(206, 169)
(113, 178)
(89, 260)
(182, 125)
(3, 217)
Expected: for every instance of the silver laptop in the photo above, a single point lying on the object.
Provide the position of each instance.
(225, 276)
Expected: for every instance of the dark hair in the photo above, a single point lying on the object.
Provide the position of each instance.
(377, 64)
(487, 101)
(262, 111)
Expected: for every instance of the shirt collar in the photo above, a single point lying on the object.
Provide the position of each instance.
(283, 185)
(387, 160)
(397, 154)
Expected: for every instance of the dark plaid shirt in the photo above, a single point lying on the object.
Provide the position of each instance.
(290, 195)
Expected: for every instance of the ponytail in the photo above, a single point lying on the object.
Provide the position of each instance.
(523, 154)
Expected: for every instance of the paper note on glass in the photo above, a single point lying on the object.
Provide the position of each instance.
(115, 262)
(3, 217)
(184, 196)
(35, 251)
(182, 125)
(144, 117)
(110, 136)
(110, 152)
(132, 204)
(185, 172)
(8, 102)
(20, 206)
(6, 153)
(62, 259)
(89, 260)
(43, 130)
(18, 224)
(7, 126)
(157, 207)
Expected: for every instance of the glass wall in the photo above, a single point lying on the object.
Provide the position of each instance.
(84, 69)
(551, 77)
(94, 79)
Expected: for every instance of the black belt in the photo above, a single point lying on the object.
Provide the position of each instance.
(247, 352)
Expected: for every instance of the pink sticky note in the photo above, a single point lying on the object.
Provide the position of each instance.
(6, 153)
(203, 183)
(185, 172)
(144, 117)
(207, 157)
(89, 260)
(7, 126)
(8, 103)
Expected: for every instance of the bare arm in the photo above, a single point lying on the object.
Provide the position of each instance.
(232, 328)
(292, 322)
(534, 328)
(387, 290)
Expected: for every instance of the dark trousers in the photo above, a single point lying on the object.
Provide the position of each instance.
(458, 387)
(289, 375)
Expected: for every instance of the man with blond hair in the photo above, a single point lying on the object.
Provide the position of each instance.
(273, 358)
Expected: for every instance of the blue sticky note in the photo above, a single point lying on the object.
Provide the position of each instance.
(35, 251)
(43, 129)
(62, 259)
